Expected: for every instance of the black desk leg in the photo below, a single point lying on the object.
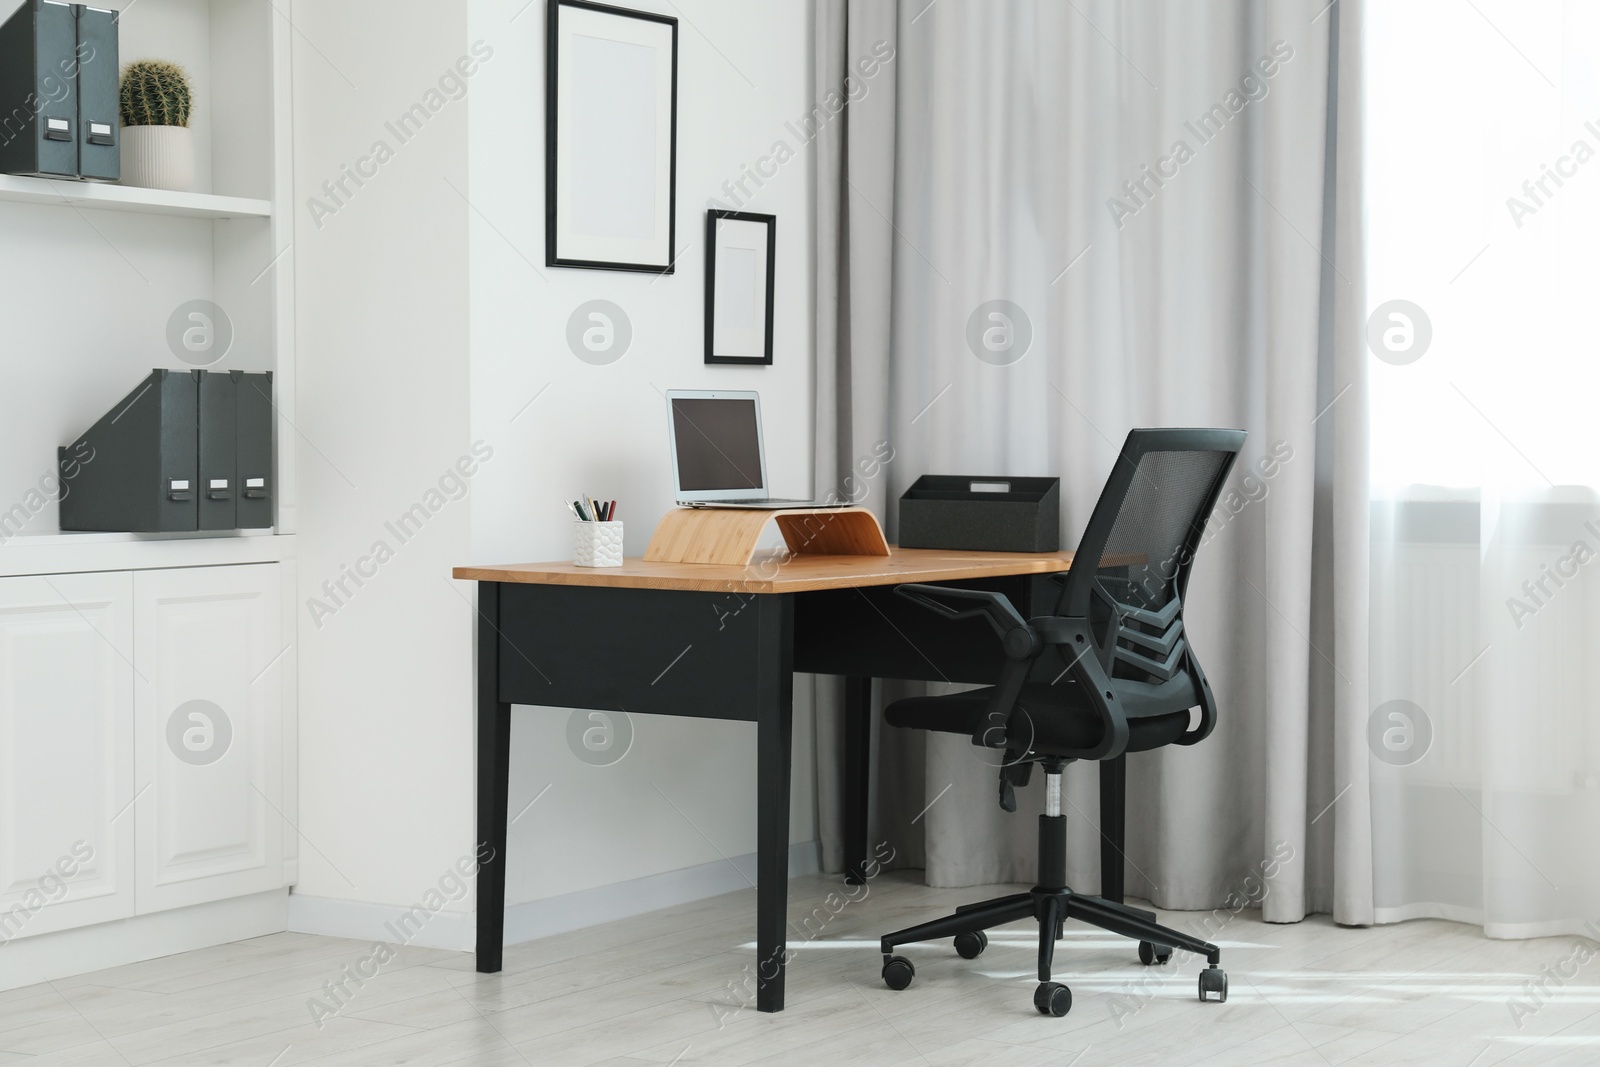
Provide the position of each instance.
(774, 718)
(1113, 817)
(857, 775)
(494, 774)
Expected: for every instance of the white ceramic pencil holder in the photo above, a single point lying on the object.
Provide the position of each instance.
(597, 544)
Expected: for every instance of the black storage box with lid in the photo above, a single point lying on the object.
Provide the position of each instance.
(982, 514)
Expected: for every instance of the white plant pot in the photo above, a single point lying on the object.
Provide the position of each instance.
(158, 157)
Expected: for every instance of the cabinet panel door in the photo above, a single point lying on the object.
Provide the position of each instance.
(66, 752)
(208, 733)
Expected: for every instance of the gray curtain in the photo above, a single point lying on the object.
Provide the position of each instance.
(1040, 224)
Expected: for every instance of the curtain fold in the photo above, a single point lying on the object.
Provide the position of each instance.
(1350, 492)
(1039, 225)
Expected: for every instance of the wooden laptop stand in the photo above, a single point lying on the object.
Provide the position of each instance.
(729, 535)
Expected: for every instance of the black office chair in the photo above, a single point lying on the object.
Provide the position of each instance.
(1125, 681)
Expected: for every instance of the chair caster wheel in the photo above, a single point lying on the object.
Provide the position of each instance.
(898, 972)
(1149, 953)
(1052, 998)
(971, 946)
(1214, 980)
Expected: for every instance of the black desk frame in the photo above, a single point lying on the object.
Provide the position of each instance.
(732, 656)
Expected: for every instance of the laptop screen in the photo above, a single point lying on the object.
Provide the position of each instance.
(718, 443)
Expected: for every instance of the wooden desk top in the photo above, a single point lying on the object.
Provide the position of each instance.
(765, 574)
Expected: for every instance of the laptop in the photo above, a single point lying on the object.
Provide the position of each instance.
(718, 458)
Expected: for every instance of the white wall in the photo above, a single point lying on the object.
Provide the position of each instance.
(744, 69)
(445, 243)
(386, 713)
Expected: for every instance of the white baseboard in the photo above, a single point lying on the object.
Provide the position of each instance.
(45, 957)
(64, 953)
(590, 907)
(542, 918)
(363, 921)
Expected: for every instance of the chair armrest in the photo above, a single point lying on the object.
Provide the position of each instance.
(1062, 630)
(1076, 641)
(1018, 639)
(1016, 636)
(1208, 705)
(992, 729)
(1023, 640)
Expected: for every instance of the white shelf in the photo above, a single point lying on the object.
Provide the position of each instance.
(66, 553)
(104, 197)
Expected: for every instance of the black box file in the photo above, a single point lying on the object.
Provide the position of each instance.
(99, 107)
(135, 469)
(219, 450)
(58, 92)
(39, 90)
(184, 451)
(982, 514)
(253, 472)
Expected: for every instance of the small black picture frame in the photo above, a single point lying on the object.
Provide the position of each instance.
(740, 287)
(610, 198)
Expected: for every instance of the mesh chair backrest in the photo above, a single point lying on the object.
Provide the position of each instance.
(1132, 566)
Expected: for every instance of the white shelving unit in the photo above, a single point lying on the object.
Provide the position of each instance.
(105, 637)
(94, 271)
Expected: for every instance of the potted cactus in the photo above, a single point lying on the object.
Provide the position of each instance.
(157, 145)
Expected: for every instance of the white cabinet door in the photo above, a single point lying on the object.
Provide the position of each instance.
(209, 733)
(66, 752)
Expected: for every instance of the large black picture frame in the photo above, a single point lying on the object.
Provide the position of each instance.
(770, 266)
(558, 244)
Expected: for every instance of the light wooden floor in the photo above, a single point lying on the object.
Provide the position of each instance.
(669, 988)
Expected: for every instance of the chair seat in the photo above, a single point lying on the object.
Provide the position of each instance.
(1064, 722)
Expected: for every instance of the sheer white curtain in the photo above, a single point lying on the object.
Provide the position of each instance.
(1483, 193)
